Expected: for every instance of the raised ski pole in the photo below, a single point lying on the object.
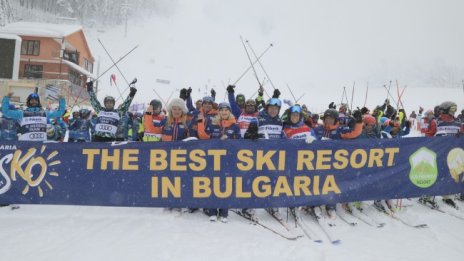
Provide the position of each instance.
(170, 96)
(343, 94)
(249, 59)
(250, 67)
(294, 98)
(391, 97)
(352, 97)
(297, 100)
(388, 90)
(120, 59)
(159, 96)
(117, 67)
(260, 64)
(367, 90)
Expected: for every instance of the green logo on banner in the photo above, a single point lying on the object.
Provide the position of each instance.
(424, 170)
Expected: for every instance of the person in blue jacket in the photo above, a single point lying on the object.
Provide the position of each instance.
(33, 120)
(9, 127)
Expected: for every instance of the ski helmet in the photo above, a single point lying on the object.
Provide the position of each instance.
(156, 104)
(84, 113)
(274, 102)
(240, 99)
(332, 113)
(448, 107)
(109, 99)
(251, 102)
(34, 96)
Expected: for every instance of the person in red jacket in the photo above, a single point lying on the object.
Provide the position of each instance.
(429, 124)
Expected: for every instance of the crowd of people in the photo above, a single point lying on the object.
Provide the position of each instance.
(240, 118)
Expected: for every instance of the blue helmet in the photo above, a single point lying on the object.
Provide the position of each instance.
(207, 99)
(224, 105)
(274, 102)
(33, 96)
(295, 108)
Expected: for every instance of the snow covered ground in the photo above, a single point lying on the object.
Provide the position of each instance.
(102, 233)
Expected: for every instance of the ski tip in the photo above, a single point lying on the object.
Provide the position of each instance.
(421, 226)
(336, 242)
(318, 241)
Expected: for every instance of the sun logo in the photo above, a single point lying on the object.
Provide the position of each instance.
(33, 169)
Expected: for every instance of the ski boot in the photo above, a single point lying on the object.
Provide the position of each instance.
(428, 201)
(378, 205)
(460, 197)
(449, 202)
(274, 212)
(358, 205)
(330, 209)
(248, 213)
(347, 207)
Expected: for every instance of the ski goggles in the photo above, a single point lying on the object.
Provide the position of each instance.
(274, 102)
(295, 109)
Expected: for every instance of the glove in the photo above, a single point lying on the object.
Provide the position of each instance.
(213, 93)
(231, 89)
(132, 91)
(357, 115)
(260, 91)
(252, 132)
(421, 110)
(310, 139)
(364, 110)
(387, 102)
(183, 94)
(89, 86)
(189, 91)
(276, 93)
(332, 106)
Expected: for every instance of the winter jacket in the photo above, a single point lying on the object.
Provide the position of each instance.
(337, 132)
(298, 131)
(152, 126)
(175, 131)
(79, 130)
(447, 125)
(268, 127)
(229, 128)
(108, 120)
(33, 120)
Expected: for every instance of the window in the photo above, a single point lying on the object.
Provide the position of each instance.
(88, 65)
(74, 77)
(71, 56)
(33, 71)
(30, 47)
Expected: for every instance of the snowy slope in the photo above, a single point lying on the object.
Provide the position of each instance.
(97, 233)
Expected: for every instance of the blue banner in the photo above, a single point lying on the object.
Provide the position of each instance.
(234, 173)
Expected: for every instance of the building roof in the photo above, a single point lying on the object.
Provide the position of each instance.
(40, 29)
(78, 68)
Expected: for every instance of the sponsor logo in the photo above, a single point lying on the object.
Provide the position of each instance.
(455, 162)
(424, 169)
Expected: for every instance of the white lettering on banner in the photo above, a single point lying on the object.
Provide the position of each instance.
(301, 136)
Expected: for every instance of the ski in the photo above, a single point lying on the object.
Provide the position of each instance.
(304, 227)
(323, 225)
(363, 217)
(278, 218)
(12, 207)
(392, 214)
(441, 210)
(344, 216)
(257, 222)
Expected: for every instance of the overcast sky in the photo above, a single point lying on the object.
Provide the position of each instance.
(317, 44)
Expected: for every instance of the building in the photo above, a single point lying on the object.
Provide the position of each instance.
(54, 57)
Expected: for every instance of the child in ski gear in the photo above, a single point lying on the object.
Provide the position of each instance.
(80, 128)
(428, 124)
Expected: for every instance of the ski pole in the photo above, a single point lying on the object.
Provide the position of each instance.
(291, 93)
(159, 96)
(117, 67)
(352, 97)
(343, 94)
(260, 64)
(388, 90)
(389, 95)
(367, 90)
(249, 59)
(120, 59)
(297, 100)
(250, 67)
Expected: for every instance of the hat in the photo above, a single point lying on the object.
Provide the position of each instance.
(369, 119)
(177, 102)
(208, 99)
(224, 105)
